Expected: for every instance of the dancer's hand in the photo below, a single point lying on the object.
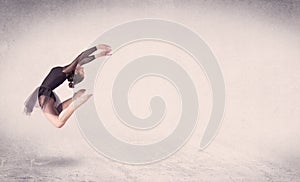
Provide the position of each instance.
(106, 50)
(103, 46)
(105, 53)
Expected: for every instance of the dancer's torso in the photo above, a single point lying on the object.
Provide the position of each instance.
(55, 78)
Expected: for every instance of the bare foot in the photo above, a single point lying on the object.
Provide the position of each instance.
(78, 93)
(81, 100)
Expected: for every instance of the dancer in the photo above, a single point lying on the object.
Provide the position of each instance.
(58, 112)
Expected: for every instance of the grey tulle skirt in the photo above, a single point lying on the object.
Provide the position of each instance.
(33, 100)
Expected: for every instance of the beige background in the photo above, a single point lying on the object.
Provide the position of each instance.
(256, 44)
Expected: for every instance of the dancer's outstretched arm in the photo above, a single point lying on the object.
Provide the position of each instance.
(72, 66)
(85, 57)
(106, 52)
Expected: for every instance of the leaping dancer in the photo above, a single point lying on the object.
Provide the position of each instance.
(58, 112)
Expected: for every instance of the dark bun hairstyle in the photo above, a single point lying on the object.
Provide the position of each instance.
(71, 80)
(74, 79)
(71, 84)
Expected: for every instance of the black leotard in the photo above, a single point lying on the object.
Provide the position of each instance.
(55, 78)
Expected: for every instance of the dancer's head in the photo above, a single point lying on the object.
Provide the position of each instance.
(79, 70)
(77, 77)
(78, 74)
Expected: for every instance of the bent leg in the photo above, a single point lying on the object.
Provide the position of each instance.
(67, 102)
(67, 112)
(64, 105)
(59, 119)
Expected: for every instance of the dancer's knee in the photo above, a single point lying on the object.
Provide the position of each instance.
(54, 120)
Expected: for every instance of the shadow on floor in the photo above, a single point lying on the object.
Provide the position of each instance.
(53, 161)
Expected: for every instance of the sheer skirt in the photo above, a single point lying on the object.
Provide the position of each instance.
(36, 101)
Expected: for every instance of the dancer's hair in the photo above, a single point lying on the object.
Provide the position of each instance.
(74, 79)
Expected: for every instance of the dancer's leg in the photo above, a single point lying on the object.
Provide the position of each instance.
(67, 102)
(59, 119)
(66, 113)
(64, 104)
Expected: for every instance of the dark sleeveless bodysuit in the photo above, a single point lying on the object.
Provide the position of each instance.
(54, 78)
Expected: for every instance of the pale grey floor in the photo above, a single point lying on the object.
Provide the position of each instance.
(21, 162)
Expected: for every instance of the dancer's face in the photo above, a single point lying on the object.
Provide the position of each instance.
(78, 75)
(79, 70)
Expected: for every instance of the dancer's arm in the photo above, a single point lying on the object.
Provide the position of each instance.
(85, 57)
(85, 54)
(71, 67)
(91, 58)
(86, 60)
(106, 52)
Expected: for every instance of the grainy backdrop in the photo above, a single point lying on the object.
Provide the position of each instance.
(256, 43)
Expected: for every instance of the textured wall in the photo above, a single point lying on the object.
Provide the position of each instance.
(255, 42)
